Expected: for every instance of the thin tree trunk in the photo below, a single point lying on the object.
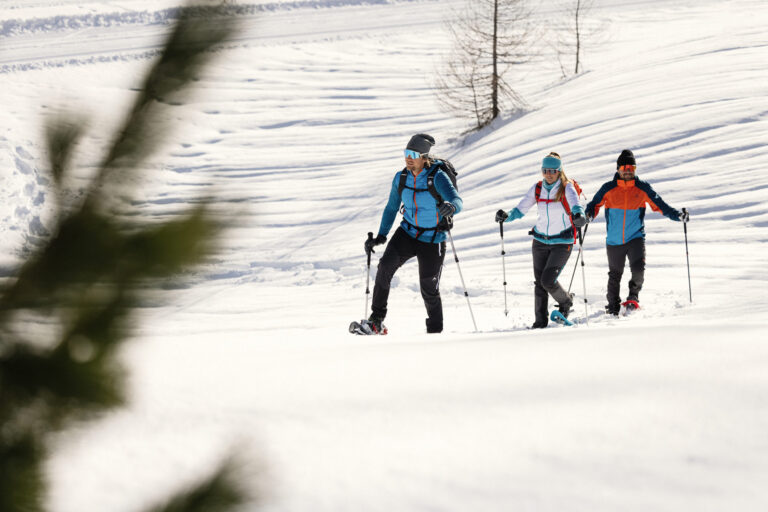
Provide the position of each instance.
(578, 36)
(495, 78)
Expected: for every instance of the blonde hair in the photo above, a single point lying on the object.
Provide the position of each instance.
(564, 180)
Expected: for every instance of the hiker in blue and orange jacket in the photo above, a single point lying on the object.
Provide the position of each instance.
(624, 199)
(427, 198)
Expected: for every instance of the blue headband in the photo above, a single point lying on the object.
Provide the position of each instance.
(550, 162)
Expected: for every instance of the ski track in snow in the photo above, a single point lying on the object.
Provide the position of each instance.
(298, 131)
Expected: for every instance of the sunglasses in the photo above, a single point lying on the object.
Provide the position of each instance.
(409, 153)
(628, 168)
(549, 171)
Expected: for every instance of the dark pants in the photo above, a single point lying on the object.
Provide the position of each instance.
(634, 250)
(548, 262)
(430, 256)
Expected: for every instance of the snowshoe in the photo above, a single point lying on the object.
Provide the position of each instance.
(559, 318)
(630, 306)
(367, 328)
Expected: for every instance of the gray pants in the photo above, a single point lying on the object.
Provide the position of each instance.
(548, 262)
(634, 251)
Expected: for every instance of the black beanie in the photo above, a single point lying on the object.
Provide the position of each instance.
(625, 158)
(421, 142)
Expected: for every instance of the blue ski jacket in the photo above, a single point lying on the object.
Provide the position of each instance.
(419, 207)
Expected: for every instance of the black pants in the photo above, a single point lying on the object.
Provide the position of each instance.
(400, 249)
(634, 250)
(548, 262)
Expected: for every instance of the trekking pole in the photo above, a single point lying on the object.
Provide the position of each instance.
(578, 255)
(577, 261)
(583, 273)
(456, 258)
(687, 261)
(368, 278)
(503, 266)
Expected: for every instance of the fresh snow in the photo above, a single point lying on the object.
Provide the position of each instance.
(298, 129)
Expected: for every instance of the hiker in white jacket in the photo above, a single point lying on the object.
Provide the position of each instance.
(560, 215)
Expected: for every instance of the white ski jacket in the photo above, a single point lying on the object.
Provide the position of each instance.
(553, 225)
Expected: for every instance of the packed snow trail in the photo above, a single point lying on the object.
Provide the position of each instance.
(298, 131)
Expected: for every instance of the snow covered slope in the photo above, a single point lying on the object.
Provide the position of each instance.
(299, 129)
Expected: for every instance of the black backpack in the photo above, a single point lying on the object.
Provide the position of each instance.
(446, 223)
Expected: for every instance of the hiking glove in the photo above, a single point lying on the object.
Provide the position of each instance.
(579, 220)
(371, 242)
(513, 214)
(675, 215)
(501, 216)
(446, 209)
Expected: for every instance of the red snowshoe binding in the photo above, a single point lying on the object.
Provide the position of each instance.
(630, 306)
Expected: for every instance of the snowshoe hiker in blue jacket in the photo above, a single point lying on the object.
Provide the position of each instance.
(624, 199)
(559, 217)
(427, 198)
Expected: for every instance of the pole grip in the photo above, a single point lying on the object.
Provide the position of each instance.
(370, 237)
(501, 228)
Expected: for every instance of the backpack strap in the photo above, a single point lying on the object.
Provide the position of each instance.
(431, 185)
(567, 207)
(570, 216)
(402, 185)
(446, 223)
(403, 178)
(420, 230)
(538, 195)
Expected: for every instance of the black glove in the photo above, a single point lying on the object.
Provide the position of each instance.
(676, 215)
(501, 216)
(371, 242)
(579, 220)
(446, 209)
(685, 216)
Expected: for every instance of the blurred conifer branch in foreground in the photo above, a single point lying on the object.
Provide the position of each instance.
(70, 306)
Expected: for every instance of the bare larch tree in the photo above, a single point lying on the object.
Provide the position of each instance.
(490, 38)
